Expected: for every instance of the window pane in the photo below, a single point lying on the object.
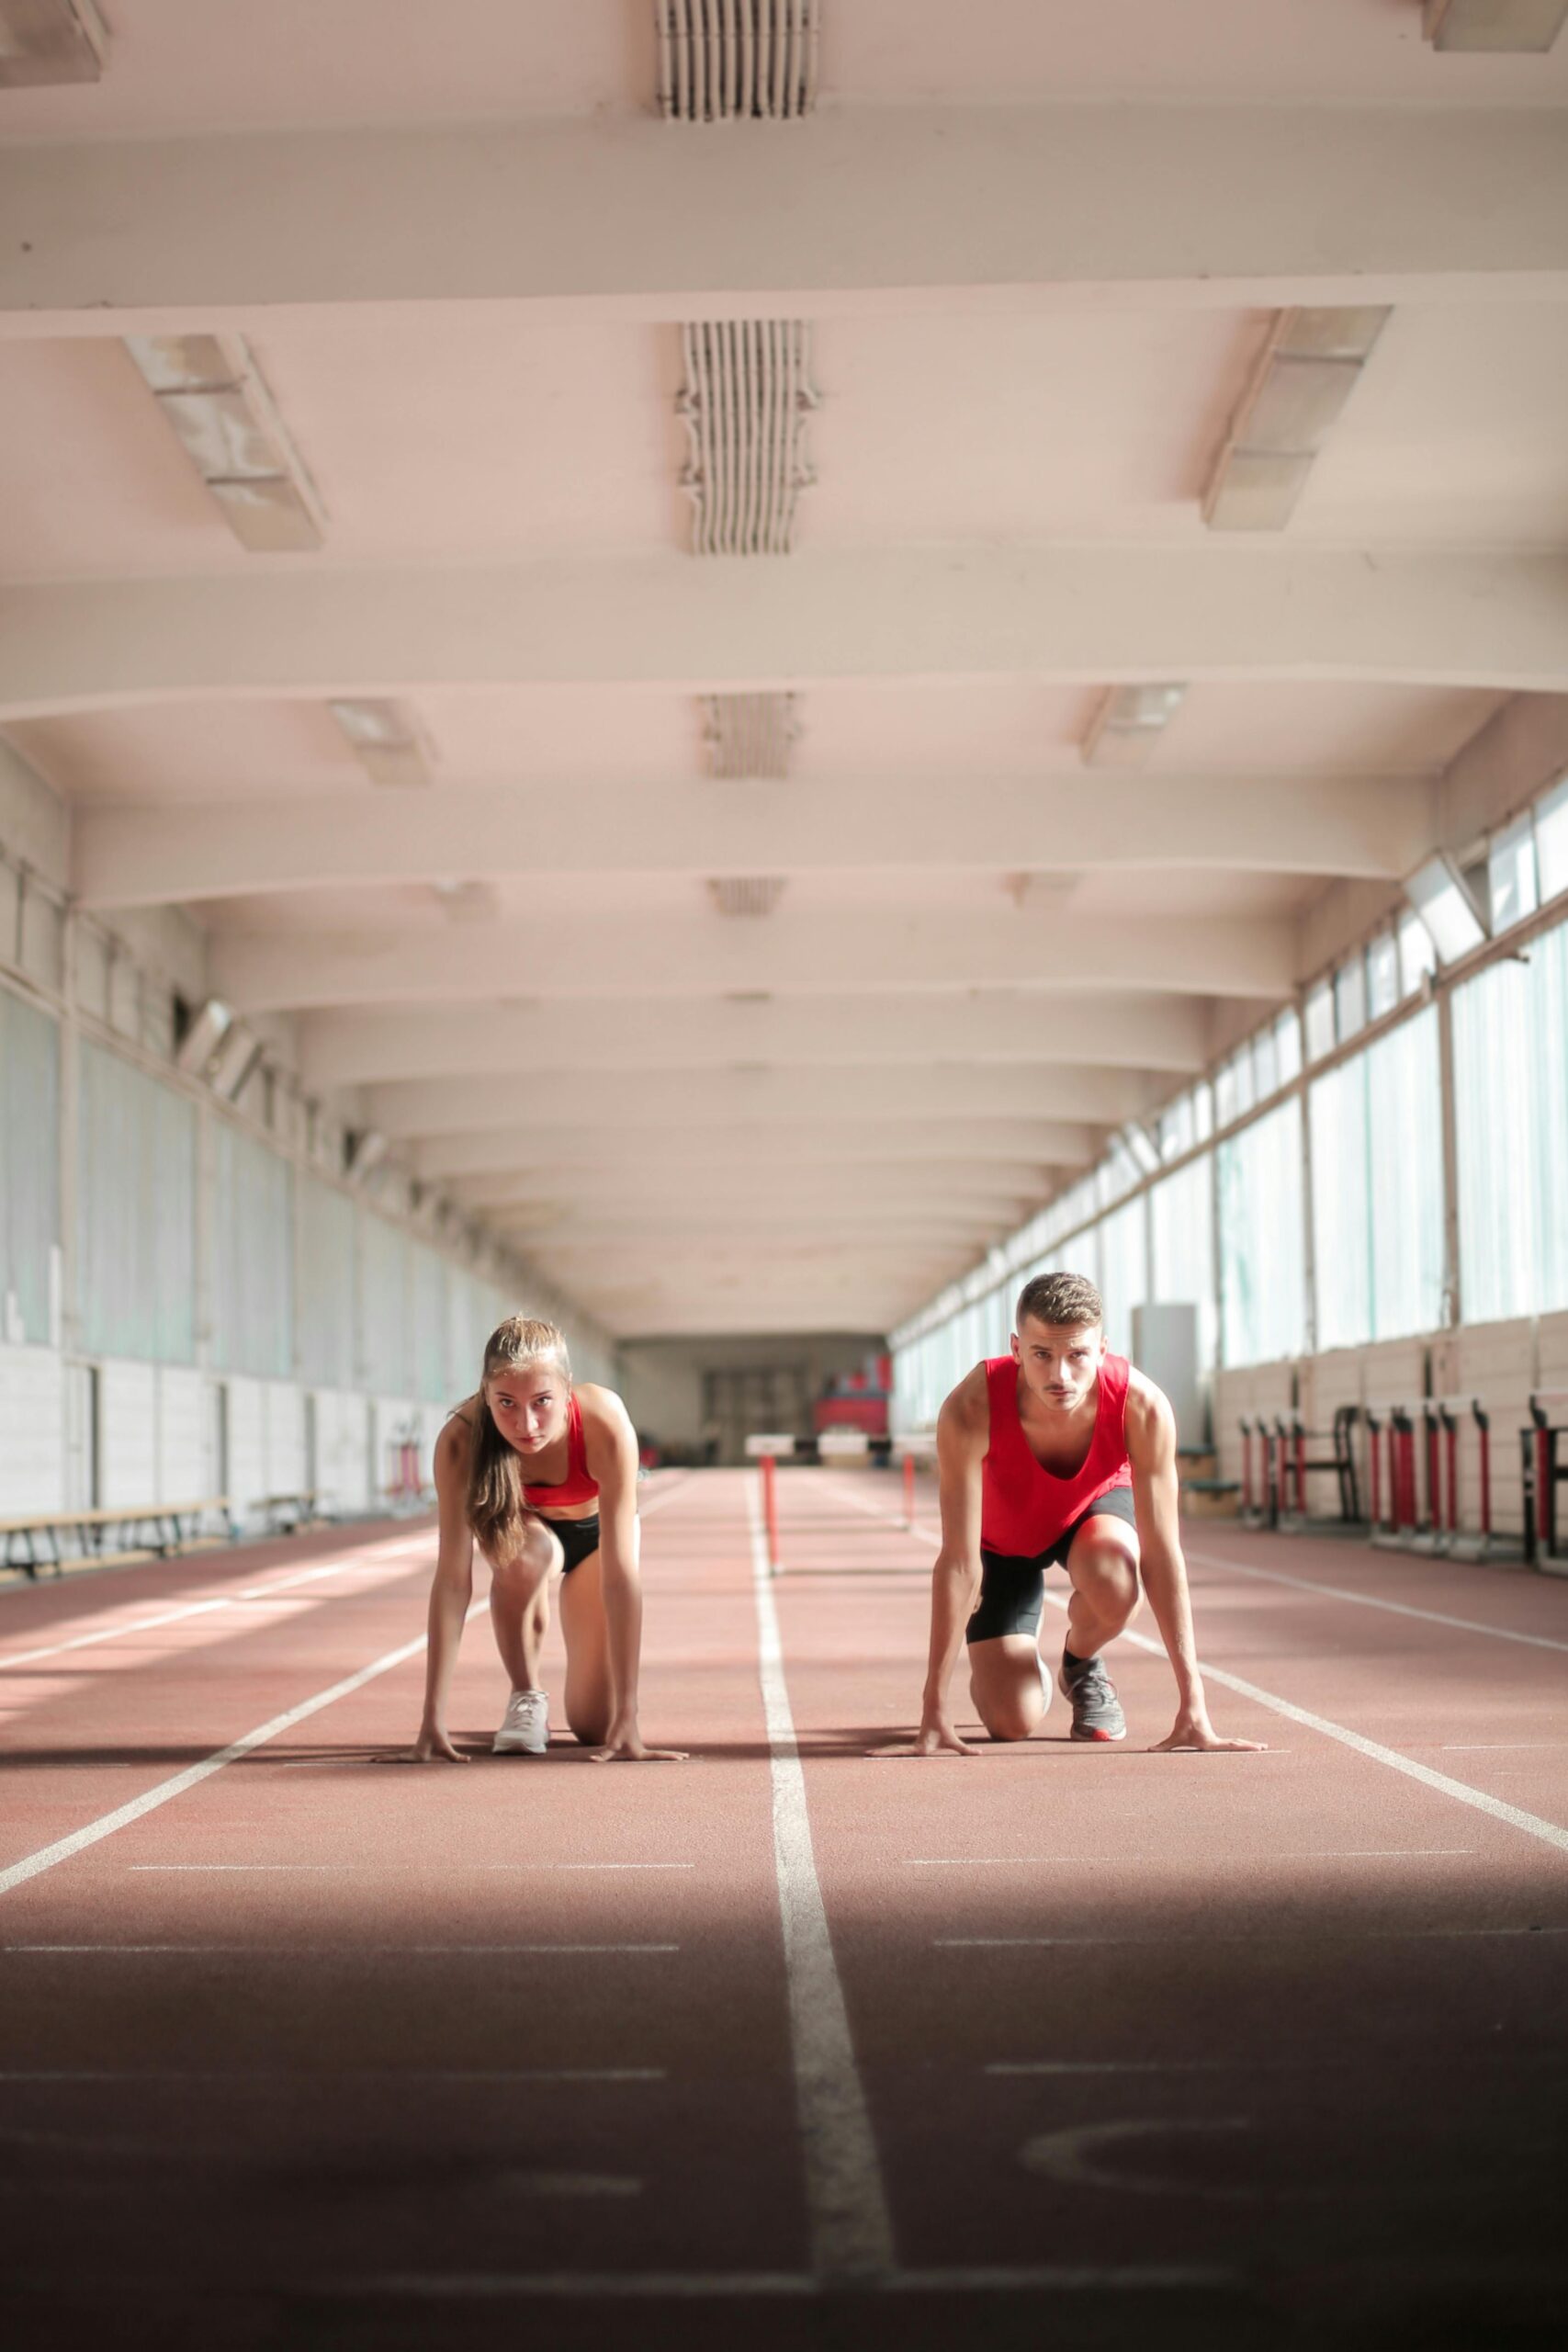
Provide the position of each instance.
(1511, 865)
(1123, 1276)
(1288, 1046)
(1351, 998)
(1511, 1108)
(1203, 1110)
(1552, 840)
(1182, 1222)
(1446, 909)
(1265, 1065)
(1319, 1022)
(1260, 1237)
(1383, 975)
(1417, 956)
(1341, 1227)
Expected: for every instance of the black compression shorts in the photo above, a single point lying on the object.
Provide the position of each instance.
(1012, 1590)
(577, 1538)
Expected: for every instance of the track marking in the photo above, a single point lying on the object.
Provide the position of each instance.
(1094, 1861)
(1282, 1935)
(1070, 2158)
(1369, 1600)
(189, 1609)
(331, 1951)
(339, 1869)
(165, 1791)
(569, 2184)
(298, 2080)
(1161, 2066)
(851, 2231)
(1550, 1833)
(710, 2285)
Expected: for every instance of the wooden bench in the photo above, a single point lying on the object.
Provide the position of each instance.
(91, 1525)
(288, 1514)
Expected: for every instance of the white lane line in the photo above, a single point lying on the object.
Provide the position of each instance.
(1247, 1862)
(334, 1950)
(163, 1793)
(1550, 1833)
(569, 2184)
(172, 1616)
(298, 2081)
(1162, 2065)
(1258, 1941)
(401, 1868)
(705, 2286)
(1481, 1747)
(851, 2231)
(1369, 1600)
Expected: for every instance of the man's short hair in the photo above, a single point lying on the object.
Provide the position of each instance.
(1060, 1299)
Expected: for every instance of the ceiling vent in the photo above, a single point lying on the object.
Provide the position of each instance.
(747, 894)
(387, 741)
(1309, 369)
(724, 60)
(47, 41)
(1494, 26)
(746, 402)
(749, 735)
(209, 391)
(1127, 724)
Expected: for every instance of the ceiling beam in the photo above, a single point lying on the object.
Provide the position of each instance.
(1367, 826)
(508, 1151)
(1157, 1033)
(753, 1095)
(855, 209)
(723, 1196)
(806, 955)
(1216, 610)
(1003, 1150)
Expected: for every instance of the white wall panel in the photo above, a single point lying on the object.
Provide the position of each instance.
(185, 1474)
(128, 1432)
(253, 1256)
(387, 1354)
(343, 1450)
(328, 1285)
(135, 1280)
(286, 1450)
(247, 1445)
(30, 1172)
(32, 1432)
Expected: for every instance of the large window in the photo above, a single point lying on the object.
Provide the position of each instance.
(1511, 1112)
(1123, 1270)
(30, 1172)
(1377, 1189)
(135, 1213)
(253, 1272)
(1182, 1215)
(1261, 1274)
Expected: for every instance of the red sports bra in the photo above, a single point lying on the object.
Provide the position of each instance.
(577, 1487)
(1023, 1506)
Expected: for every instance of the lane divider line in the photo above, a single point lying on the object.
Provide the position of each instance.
(851, 2230)
(1550, 1833)
(435, 2287)
(447, 1868)
(331, 1951)
(165, 1791)
(299, 2080)
(1371, 1601)
(1258, 1941)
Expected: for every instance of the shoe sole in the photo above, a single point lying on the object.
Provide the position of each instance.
(517, 1748)
(1107, 1737)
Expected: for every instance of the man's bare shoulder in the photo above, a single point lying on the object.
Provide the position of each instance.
(1149, 1416)
(966, 1411)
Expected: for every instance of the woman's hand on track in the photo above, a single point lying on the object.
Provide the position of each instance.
(1193, 1730)
(935, 1738)
(623, 1744)
(433, 1746)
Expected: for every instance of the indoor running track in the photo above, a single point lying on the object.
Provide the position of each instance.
(300, 2045)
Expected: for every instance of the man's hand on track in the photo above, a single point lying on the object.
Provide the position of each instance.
(1195, 1731)
(932, 1739)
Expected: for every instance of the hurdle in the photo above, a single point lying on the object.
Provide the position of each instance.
(1544, 1462)
(768, 1449)
(1445, 1416)
(916, 1446)
(1401, 1531)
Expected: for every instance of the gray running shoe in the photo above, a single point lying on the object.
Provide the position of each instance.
(1097, 1711)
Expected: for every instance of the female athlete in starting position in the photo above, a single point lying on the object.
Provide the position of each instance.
(541, 1476)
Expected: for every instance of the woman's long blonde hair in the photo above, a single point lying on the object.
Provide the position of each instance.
(495, 1505)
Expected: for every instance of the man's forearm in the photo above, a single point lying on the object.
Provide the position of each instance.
(955, 1585)
(1165, 1581)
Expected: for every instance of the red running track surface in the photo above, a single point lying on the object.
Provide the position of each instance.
(317, 2048)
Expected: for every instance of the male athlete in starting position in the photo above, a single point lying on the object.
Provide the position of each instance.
(1058, 1455)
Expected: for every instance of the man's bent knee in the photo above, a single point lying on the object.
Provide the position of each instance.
(1107, 1580)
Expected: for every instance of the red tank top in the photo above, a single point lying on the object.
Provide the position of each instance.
(1023, 1507)
(577, 1487)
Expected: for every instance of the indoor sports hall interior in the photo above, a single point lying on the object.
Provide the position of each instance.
(731, 674)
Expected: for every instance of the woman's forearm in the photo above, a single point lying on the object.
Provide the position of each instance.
(448, 1610)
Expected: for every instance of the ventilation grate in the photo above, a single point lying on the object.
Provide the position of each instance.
(746, 401)
(747, 894)
(749, 735)
(722, 59)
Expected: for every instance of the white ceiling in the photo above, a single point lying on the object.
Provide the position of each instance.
(919, 1023)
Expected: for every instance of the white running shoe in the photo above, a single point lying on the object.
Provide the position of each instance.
(525, 1726)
